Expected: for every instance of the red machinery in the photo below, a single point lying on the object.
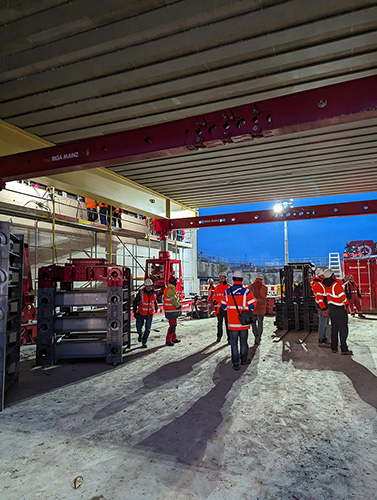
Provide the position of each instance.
(159, 270)
(29, 312)
(364, 271)
(360, 248)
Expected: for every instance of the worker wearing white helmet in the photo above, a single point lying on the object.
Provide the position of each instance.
(221, 313)
(321, 304)
(239, 303)
(144, 306)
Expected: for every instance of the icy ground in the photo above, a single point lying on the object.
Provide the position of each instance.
(298, 423)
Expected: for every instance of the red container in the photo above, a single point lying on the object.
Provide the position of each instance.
(364, 271)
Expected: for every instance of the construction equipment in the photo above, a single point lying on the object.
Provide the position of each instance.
(81, 322)
(297, 309)
(11, 262)
(364, 271)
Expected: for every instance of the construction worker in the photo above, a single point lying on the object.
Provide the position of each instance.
(172, 307)
(91, 209)
(144, 306)
(221, 313)
(211, 295)
(104, 213)
(238, 298)
(116, 217)
(321, 305)
(337, 309)
(259, 289)
(353, 295)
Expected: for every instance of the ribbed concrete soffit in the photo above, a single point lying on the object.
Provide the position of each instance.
(74, 70)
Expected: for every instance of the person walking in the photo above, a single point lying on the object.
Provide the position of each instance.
(353, 295)
(144, 306)
(238, 298)
(221, 313)
(337, 308)
(91, 209)
(321, 305)
(259, 290)
(172, 307)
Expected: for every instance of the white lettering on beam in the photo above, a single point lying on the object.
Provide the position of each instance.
(65, 156)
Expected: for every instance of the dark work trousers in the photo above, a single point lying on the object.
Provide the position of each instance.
(104, 215)
(92, 214)
(339, 324)
(221, 317)
(244, 348)
(257, 325)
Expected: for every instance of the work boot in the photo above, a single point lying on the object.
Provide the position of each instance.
(144, 345)
(247, 362)
(139, 338)
(361, 315)
(347, 353)
(236, 367)
(169, 343)
(323, 343)
(176, 341)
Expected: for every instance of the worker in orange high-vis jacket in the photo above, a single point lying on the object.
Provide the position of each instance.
(321, 304)
(144, 306)
(259, 290)
(238, 298)
(172, 307)
(116, 216)
(337, 308)
(221, 313)
(104, 213)
(91, 209)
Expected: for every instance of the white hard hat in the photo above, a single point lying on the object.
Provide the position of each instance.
(328, 273)
(223, 273)
(259, 276)
(210, 280)
(238, 274)
(319, 271)
(148, 282)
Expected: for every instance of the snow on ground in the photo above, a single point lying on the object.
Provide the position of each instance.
(178, 422)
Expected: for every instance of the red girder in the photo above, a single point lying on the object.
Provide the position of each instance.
(261, 216)
(340, 103)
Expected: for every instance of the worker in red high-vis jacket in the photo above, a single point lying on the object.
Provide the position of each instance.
(211, 295)
(353, 296)
(237, 299)
(221, 313)
(259, 289)
(321, 304)
(337, 308)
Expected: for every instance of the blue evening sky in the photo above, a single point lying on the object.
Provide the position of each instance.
(306, 238)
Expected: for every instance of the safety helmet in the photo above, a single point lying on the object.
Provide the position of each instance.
(238, 274)
(148, 282)
(259, 276)
(328, 273)
(209, 281)
(319, 271)
(223, 273)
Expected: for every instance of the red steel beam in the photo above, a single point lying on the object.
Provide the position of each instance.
(293, 213)
(341, 103)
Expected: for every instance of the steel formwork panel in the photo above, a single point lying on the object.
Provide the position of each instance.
(11, 263)
(103, 330)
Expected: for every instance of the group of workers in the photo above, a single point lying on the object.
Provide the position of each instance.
(333, 297)
(92, 213)
(229, 301)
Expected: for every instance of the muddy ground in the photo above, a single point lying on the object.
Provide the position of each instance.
(178, 422)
